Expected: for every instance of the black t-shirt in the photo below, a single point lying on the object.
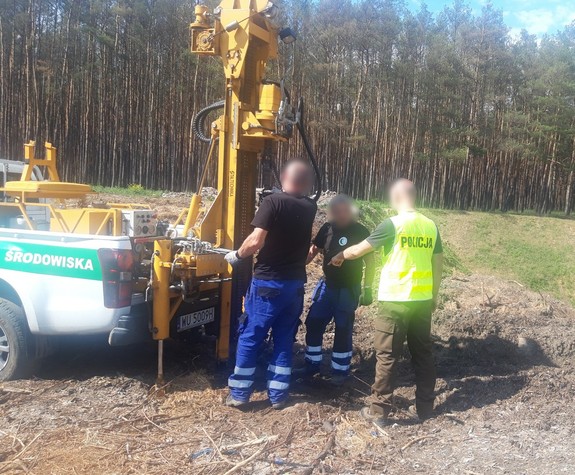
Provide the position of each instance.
(332, 241)
(384, 236)
(288, 219)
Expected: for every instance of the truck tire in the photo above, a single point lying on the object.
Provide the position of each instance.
(15, 338)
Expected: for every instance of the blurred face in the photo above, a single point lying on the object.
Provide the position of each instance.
(394, 198)
(297, 179)
(342, 214)
(402, 195)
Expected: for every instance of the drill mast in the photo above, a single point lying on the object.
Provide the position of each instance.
(244, 35)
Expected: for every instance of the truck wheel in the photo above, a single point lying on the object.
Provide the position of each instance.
(14, 341)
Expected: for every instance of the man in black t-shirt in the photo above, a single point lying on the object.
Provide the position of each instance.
(337, 294)
(282, 233)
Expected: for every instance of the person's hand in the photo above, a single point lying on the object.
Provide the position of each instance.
(366, 297)
(233, 258)
(337, 260)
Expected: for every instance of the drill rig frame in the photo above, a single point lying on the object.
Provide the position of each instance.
(181, 271)
(244, 34)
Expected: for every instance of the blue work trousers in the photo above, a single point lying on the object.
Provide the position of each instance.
(275, 305)
(330, 303)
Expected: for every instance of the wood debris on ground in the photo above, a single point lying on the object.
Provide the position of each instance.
(505, 403)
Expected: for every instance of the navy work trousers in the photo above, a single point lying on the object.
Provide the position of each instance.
(275, 305)
(330, 303)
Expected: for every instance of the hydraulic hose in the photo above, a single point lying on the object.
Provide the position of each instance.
(198, 125)
(311, 155)
(199, 120)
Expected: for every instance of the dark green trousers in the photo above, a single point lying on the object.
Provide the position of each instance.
(396, 322)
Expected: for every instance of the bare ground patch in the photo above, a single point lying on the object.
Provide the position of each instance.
(505, 397)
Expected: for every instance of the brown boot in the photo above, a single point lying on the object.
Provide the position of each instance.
(420, 412)
(379, 419)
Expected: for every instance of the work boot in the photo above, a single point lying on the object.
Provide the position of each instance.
(305, 373)
(278, 406)
(412, 414)
(419, 414)
(231, 402)
(379, 419)
(339, 379)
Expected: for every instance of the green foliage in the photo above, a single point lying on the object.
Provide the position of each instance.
(455, 154)
(132, 190)
(372, 213)
(136, 188)
(422, 157)
(537, 252)
(452, 262)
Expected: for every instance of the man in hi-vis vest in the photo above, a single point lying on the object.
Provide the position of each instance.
(410, 279)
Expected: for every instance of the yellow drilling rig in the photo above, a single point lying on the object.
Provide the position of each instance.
(178, 273)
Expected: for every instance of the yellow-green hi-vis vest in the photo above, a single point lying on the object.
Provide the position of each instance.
(407, 274)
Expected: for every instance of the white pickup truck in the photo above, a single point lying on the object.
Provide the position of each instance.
(55, 283)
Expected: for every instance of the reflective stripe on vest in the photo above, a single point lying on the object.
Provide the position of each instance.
(407, 274)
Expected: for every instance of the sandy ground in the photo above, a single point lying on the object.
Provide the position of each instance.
(505, 358)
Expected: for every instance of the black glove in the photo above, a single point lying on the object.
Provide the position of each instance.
(366, 297)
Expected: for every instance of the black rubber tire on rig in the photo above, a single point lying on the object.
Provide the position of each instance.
(15, 339)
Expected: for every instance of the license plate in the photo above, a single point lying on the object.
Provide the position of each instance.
(196, 319)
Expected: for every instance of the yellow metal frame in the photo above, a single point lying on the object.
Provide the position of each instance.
(129, 206)
(26, 188)
(49, 161)
(88, 221)
(245, 39)
(74, 220)
(68, 220)
(163, 308)
(247, 121)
